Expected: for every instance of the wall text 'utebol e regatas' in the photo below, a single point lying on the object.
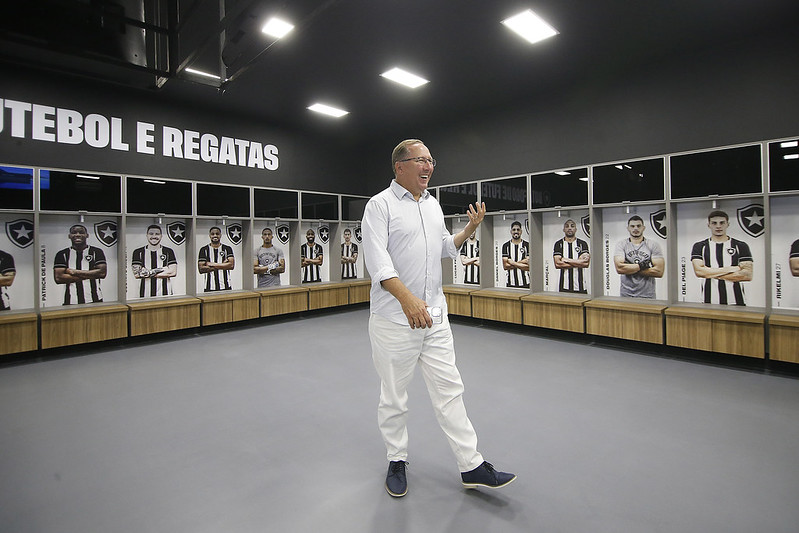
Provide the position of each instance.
(26, 120)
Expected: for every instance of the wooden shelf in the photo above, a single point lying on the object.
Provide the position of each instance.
(19, 332)
(80, 324)
(554, 311)
(167, 314)
(359, 291)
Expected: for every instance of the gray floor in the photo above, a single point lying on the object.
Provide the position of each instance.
(272, 428)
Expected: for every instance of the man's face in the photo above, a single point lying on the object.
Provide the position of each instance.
(516, 232)
(78, 235)
(310, 236)
(473, 236)
(347, 236)
(215, 235)
(413, 175)
(569, 229)
(718, 226)
(635, 228)
(266, 235)
(154, 236)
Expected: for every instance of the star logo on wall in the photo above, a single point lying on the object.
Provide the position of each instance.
(235, 233)
(106, 232)
(752, 219)
(20, 232)
(177, 232)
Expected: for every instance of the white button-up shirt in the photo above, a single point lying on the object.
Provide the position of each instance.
(405, 239)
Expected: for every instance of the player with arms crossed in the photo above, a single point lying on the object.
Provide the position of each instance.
(349, 255)
(269, 261)
(7, 274)
(638, 261)
(516, 258)
(722, 262)
(154, 265)
(571, 256)
(80, 267)
(470, 259)
(216, 260)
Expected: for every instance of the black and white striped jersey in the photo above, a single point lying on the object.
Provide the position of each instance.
(87, 290)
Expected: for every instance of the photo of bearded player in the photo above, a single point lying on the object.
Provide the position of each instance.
(154, 265)
(638, 261)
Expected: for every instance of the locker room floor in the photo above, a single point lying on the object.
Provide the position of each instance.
(272, 427)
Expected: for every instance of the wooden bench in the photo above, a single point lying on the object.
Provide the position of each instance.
(283, 300)
(359, 290)
(783, 337)
(625, 318)
(717, 328)
(164, 314)
(19, 332)
(327, 294)
(229, 306)
(459, 299)
(80, 324)
(502, 305)
(554, 311)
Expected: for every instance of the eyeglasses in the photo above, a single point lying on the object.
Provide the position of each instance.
(420, 160)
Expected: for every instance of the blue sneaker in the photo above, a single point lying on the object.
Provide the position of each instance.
(485, 476)
(396, 482)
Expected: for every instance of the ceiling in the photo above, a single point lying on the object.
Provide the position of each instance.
(339, 48)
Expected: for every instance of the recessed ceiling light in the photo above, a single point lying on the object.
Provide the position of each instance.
(562, 173)
(84, 176)
(530, 26)
(201, 73)
(328, 110)
(405, 78)
(157, 182)
(277, 28)
(791, 156)
(789, 144)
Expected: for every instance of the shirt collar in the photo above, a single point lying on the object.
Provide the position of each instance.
(400, 191)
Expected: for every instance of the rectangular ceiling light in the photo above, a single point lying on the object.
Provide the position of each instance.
(562, 173)
(157, 182)
(405, 78)
(789, 144)
(203, 74)
(328, 110)
(791, 156)
(530, 26)
(84, 176)
(277, 28)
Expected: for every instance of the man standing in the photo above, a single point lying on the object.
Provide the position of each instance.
(154, 265)
(269, 261)
(470, 259)
(571, 256)
(516, 257)
(80, 267)
(216, 260)
(312, 258)
(404, 240)
(7, 274)
(349, 255)
(638, 261)
(722, 262)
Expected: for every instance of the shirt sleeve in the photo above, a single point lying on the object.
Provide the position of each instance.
(6, 263)
(657, 251)
(374, 229)
(697, 252)
(618, 251)
(744, 253)
(170, 256)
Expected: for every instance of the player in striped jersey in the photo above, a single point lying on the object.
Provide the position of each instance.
(154, 265)
(349, 255)
(470, 259)
(515, 257)
(216, 260)
(793, 259)
(312, 258)
(7, 274)
(80, 267)
(722, 262)
(571, 257)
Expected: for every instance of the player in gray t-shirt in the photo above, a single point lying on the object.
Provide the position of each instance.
(269, 262)
(639, 261)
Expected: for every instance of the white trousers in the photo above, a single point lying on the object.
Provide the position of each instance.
(396, 349)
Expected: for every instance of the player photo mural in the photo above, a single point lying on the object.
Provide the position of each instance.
(157, 259)
(721, 251)
(511, 252)
(350, 256)
(269, 264)
(784, 253)
(16, 263)
(218, 257)
(466, 267)
(313, 267)
(81, 257)
(635, 252)
(566, 253)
